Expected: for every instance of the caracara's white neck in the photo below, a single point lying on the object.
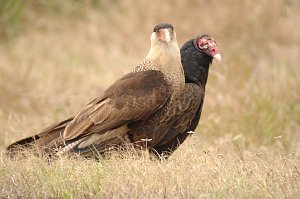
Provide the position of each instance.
(165, 58)
(168, 59)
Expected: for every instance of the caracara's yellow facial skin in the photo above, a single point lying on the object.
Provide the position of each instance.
(165, 35)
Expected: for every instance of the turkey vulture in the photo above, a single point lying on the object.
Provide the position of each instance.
(196, 56)
(144, 94)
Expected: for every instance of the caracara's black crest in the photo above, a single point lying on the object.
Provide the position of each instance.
(162, 26)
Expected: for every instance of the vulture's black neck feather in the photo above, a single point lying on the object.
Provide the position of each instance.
(195, 64)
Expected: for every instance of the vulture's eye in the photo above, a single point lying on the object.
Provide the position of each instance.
(205, 46)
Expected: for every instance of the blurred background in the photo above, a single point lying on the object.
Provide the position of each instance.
(56, 56)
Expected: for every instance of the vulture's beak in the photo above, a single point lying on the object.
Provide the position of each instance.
(218, 57)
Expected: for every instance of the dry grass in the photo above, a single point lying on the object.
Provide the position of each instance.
(195, 171)
(55, 57)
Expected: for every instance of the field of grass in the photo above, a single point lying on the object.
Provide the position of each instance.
(55, 56)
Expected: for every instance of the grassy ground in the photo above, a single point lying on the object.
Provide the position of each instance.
(195, 171)
(56, 56)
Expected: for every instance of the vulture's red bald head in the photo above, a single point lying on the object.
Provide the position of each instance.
(208, 45)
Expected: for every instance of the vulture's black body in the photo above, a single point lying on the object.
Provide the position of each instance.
(196, 67)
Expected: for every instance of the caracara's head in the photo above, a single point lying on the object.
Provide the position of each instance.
(163, 34)
(207, 45)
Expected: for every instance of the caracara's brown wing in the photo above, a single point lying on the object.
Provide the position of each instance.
(134, 97)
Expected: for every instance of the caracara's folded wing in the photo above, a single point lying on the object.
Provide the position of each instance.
(131, 98)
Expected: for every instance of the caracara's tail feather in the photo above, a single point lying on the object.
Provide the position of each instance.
(49, 138)
(51, 141)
